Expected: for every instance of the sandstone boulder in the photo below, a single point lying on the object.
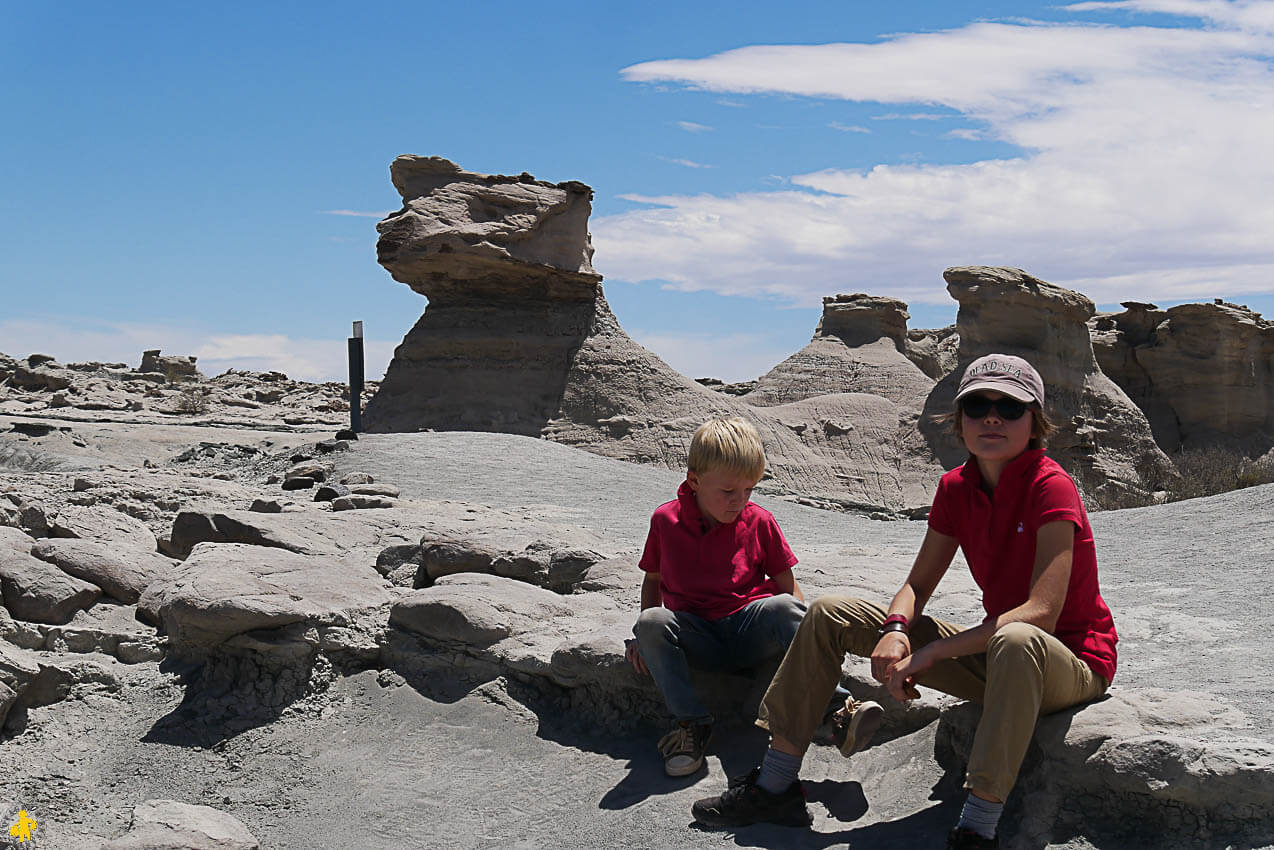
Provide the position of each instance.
(171, 825)
(40, 592)
(121, 573)
(228, 589)
(105, 525)
(16, 539)
(1146, 756)
(1203, 373)
(19, 670)
(172, 367)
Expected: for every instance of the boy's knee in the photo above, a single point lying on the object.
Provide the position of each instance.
(787, 607)
(821, 607)
(654, 623)
(1015, 640)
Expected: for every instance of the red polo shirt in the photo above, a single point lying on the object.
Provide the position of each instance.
(997, 537)
(713, 572)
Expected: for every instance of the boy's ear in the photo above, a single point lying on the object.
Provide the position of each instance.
(692, 478)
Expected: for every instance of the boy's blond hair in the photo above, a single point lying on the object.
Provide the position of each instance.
(729, 443)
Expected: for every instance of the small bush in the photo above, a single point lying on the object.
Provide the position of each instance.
(192, 400)
(1212, 470)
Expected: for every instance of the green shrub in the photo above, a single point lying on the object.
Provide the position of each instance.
(192, 400)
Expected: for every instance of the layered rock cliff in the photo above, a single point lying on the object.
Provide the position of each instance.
(1203, 373)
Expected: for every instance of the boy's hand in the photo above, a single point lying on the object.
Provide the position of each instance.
(889, 650)
(901, 676)
(633, 654)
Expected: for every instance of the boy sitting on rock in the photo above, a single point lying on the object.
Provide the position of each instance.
(719, 592)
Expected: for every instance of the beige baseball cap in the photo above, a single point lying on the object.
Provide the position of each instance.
(1003, 373)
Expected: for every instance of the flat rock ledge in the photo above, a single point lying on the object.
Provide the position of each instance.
(1129, 763)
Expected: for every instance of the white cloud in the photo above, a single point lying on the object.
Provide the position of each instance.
(848, 128)
(1256, 15)
(692, 127)
(79, 339)
(729, 357)
(966, 133)
(688, 163)
(357, 214)
(1144, 170)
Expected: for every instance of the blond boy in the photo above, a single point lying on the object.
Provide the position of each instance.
(719, 592)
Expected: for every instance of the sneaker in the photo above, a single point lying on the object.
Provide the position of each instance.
(855, 724)
(745, 802)
(967, 839)
(684, 747)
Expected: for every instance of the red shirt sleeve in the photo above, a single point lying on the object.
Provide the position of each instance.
(650, 559)
(940, 519)
(779, 557)
(1056, 499)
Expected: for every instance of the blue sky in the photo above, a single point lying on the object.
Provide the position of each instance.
(207, 179)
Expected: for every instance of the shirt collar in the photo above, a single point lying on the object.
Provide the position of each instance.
(1016, 469)
(689, 505)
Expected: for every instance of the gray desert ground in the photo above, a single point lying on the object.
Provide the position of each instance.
(443, 743)
(230, 623)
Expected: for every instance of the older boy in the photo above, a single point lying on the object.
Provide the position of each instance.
(719, 592)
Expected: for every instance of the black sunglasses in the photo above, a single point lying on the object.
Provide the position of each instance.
(1008, 409)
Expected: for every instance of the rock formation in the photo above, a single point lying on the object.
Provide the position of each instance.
(167, 389)
(176, 368)
(859, 346)
(934, 351)
(1102, 437)
(1203, 373)
(518, 337)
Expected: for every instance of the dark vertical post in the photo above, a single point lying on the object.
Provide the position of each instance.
(356, 379)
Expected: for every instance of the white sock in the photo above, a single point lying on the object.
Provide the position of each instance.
(981, 816)
(778, 771)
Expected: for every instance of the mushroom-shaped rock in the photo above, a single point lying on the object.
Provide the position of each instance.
(1102, 437)
(860, 347)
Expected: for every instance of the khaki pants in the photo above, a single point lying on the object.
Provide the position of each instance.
(1025, 672)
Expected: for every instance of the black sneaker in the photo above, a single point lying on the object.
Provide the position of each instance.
(967, 839)
(745, 802)
(855, 724)
(684, 747)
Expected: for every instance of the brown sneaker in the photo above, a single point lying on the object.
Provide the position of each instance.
(854, 725)
(684, 748)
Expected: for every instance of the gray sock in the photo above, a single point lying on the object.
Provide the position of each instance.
(981, 816)
(778, 771)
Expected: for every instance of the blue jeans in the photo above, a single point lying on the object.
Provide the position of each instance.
(673, 641)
